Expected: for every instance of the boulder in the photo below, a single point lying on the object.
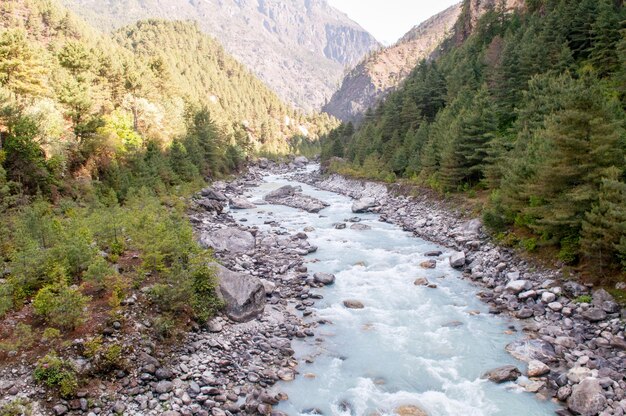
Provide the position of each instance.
(353, 304)
(457, 260)
(594, 314)
(363, 205)
(243, 295)
(229, 239)
(517, 286)
(537, 369)
(324, 278)
(503, 374)
(428, 264)
(548, 297)
(213, 194)
(281, 192)
(574, 289)
(531, 349)
(241, 203)
(587, 398)
(300, 161)
(421, 281)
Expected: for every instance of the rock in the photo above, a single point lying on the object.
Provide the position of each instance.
(409, 410)
(421, 281)
(324, 278)
(594, 314)
(360, 227)
(170, 413)
(363, 205)
(516, 286)
(531, 349)
(270, 287)
(503, 374)
(229, 239)
(286, 374)
(353, 304)
(555, 306)
(241, 203)
(164, 373)
(244, 295)
(574, 289)
(578, 374)
(548, 297)
(429, 264)
(435, 253)
(537, 369)
(457, 260)
(214, 326)
(60, 409)
(119, 407)
(300, 161)
(213, 195)
(587, 398)
(340, 226)
(281, 192)
(164, 386)
(525, 313)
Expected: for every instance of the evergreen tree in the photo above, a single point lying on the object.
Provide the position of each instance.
(21, 70)
(605, 37)
(604, 227)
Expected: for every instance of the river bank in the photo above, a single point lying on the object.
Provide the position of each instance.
(239, 362)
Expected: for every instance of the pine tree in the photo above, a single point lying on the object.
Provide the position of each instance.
(21, 70)
(605, 36)
(604, 226)
(585, 141)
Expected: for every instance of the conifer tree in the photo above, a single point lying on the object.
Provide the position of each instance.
(604, 227)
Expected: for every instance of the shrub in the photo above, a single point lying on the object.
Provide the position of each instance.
(6, 298)
(60, 306)
(206, 302)
(97, 273)
(529, 244)
(51, 334)
(18, 407)
(54, 372)
(22, 338)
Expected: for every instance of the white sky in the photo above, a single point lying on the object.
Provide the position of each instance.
(389, 20)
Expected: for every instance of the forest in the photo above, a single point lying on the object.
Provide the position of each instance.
(529, 110)
(103, 138)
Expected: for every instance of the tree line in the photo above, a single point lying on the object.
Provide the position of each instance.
(530, 107)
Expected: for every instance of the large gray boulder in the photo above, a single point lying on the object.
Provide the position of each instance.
(457, 260)
(532, 349)
(243, 295)
(282, 192)
(213, 194)
(300, 161)
(233, 240)
(363, 205)
(503, 374)
(241, 203)
(292, 197)
(587, 398)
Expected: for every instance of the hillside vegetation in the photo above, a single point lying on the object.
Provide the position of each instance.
(530, 107)
(102, 139)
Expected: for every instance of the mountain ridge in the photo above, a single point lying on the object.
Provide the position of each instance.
(381, 72)
(298, 48)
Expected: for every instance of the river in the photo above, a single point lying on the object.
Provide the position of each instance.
(410, 345)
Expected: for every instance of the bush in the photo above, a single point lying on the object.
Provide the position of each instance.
(584, 299)
(51, 334)
(54, 372)
(60, 306)
(206, 302)
(97, 273)
(18, 407)
(22, 337)
(6, 298)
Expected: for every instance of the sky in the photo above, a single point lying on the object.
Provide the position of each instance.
(389, 20)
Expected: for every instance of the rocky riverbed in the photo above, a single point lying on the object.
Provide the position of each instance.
(575, 351)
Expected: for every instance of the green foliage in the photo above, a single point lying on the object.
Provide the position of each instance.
(584, 299)
(22, 338)
(60, 306)
(17, 407)
(54, 372)
(529, 105)
(51, 335)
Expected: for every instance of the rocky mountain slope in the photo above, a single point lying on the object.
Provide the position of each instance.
(298, 47)
(380, 73)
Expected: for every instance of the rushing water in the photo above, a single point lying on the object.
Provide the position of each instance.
(411, 345)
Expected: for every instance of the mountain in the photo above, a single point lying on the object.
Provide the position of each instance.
(383, 71)
(525, 101)
(297, 47)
